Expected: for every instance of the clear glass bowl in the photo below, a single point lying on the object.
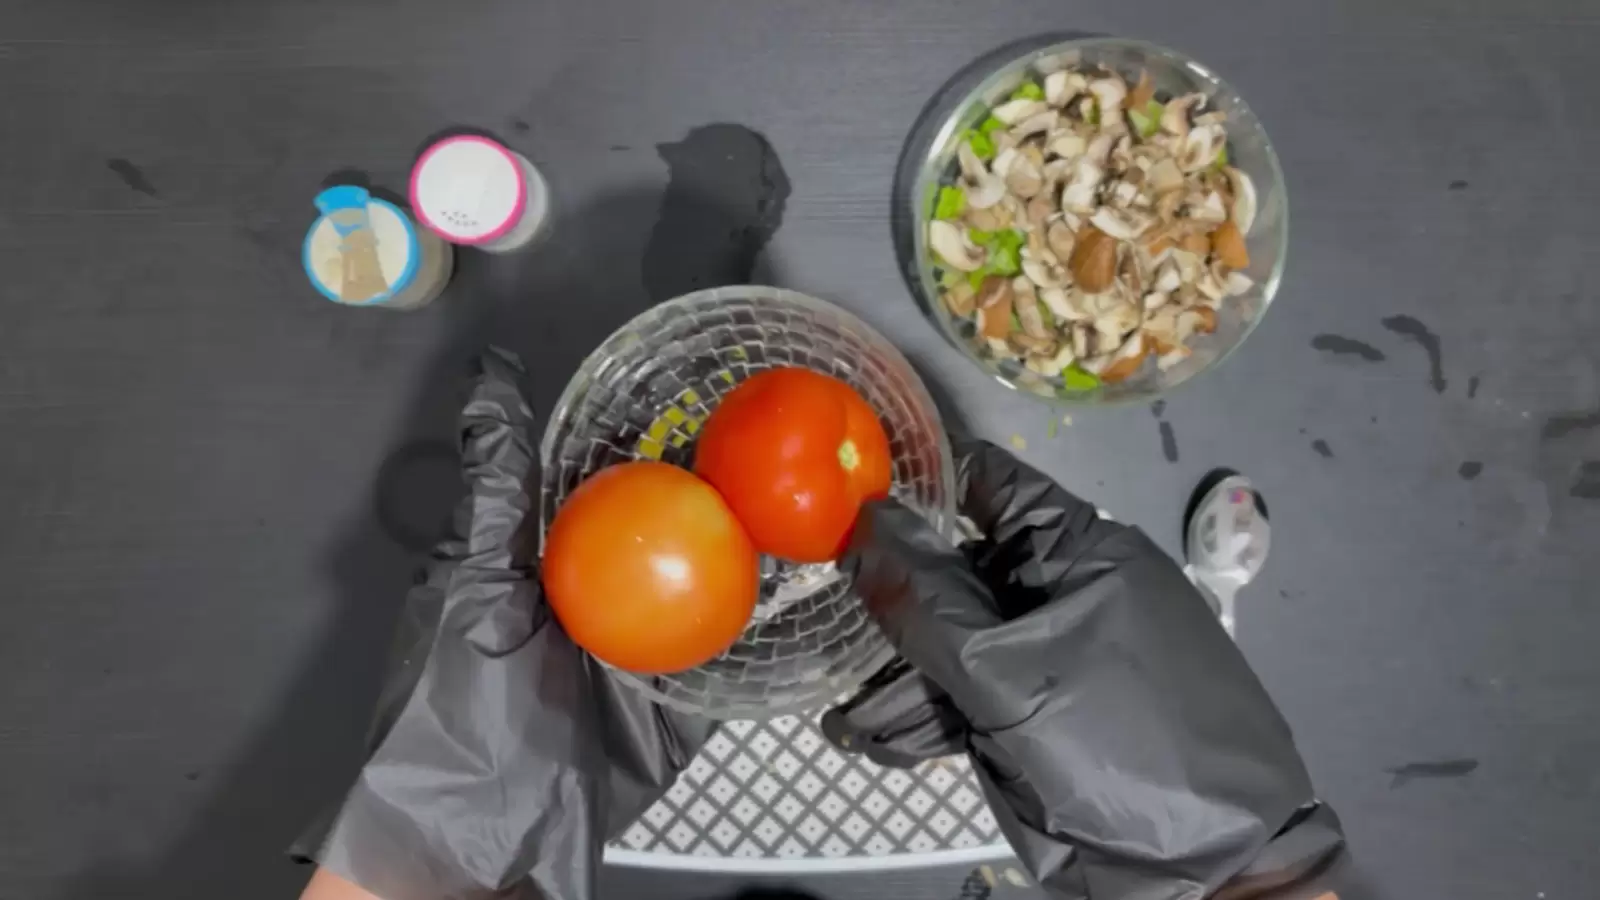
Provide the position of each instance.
(929, 160)
(643, 394)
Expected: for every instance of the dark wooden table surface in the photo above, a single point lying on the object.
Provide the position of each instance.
(213, 482)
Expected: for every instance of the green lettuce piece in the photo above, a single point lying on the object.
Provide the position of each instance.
(1094, 113)
(949, 278)
(981, 144)
(991, 125)
(1050, 429)
(1028, 91)
(951, 202)
(982, 238)
(1016, 321)
(1005, 256)
(1075, 380)
(1146, 121)
(1222, 158)
(976, 278)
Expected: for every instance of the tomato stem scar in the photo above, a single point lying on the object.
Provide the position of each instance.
(849, 456)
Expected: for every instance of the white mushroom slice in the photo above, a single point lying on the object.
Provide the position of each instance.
(1066, 143)
(1117, 321)
(972, 168)
(1161, 327)
(1043, 274)
(1013, 111)
(986, 219)
(1086, 108)
(1122, 224)
(1215, 117)
(1237, 283)
(1099, 148)
(985, 192)
(1175, 114)
(1024, 178)
(1078, 196)
(1195, 321)
(951, 243)
(1061, 240)
(1164, 175)
(1244, 199)
(1039, 123)
(1209, 209)
(1127, 360)
(1025, 301)
(1210, 285)
(1055, 62)
(1167, 276)
(1065, 355)
(1003, 160)
(1072, 220)
(1063, 304)
(961, 298)
(999, 348)
(1040, 209)
(1109, 92)
(1200, 148)
(1123, 194)
(1056, 171)
(1002, 140)
(1154, 301)
(1058, 89)
(1172, 357)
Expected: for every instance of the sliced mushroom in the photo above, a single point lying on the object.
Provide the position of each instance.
(950, 241)
(1043, 274)
(986, 219)
(1082, 337)
(1154, 301)
(1039, 210)
(1078, 195)
(1024, 178)
(1117, 320)
(1198, 320)
(1053, 365)
(1175, 115)
(961, 298)
(1228, 244)
(1064, 304)
(972, 168)
(1038, 123)
(1244, 199)
(1237, 283)
(1123, 194)
(1094, 260)
(1210, 285)
(1167, 204)
(1003, 161)
(1127, 360)
(1168, 277)
(1026, 303)
(1057, 91)
(994, 306)
(1066, 143)
(1195, 243)
(1164, 175)
(1109, 92)
(1099, 149)
(1060, 239)
(1122, 224)
(1210, 209)
(1200, 147)
(1172, 357)
(1013, 111)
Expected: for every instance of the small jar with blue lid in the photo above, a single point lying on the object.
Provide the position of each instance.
(365, 251)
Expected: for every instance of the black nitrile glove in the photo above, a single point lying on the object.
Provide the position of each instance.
(1123, 742)
(504, 756)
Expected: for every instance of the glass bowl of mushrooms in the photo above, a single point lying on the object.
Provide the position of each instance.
(1092, 220)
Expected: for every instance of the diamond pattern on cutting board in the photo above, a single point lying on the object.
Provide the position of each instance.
(778, 788)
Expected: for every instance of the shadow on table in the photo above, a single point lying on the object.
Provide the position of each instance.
(602, 264)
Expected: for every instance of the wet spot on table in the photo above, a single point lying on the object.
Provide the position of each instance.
(1441, 768)
(520, 126)
(1563, 425)
(1169, 442)
(1472, 387)
(192, 776)
(132, 176)
(1322, 448)
(1587, 485)
(1470, 469)
(1339, 345)
(1158, 408)
(726, 190)
(1413, 330)
(1460, 184)
(619, 148)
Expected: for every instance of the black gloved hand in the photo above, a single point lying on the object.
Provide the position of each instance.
(504, 756)
(1124, 744)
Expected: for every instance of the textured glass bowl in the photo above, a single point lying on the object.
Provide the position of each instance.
(644, 393)
(929, 160)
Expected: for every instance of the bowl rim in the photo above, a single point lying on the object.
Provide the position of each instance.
(944, 114)
(942, 520)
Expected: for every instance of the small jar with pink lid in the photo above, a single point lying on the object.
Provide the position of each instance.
(474, 191)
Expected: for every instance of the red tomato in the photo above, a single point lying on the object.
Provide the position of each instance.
(795, 453)
(647, 568)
